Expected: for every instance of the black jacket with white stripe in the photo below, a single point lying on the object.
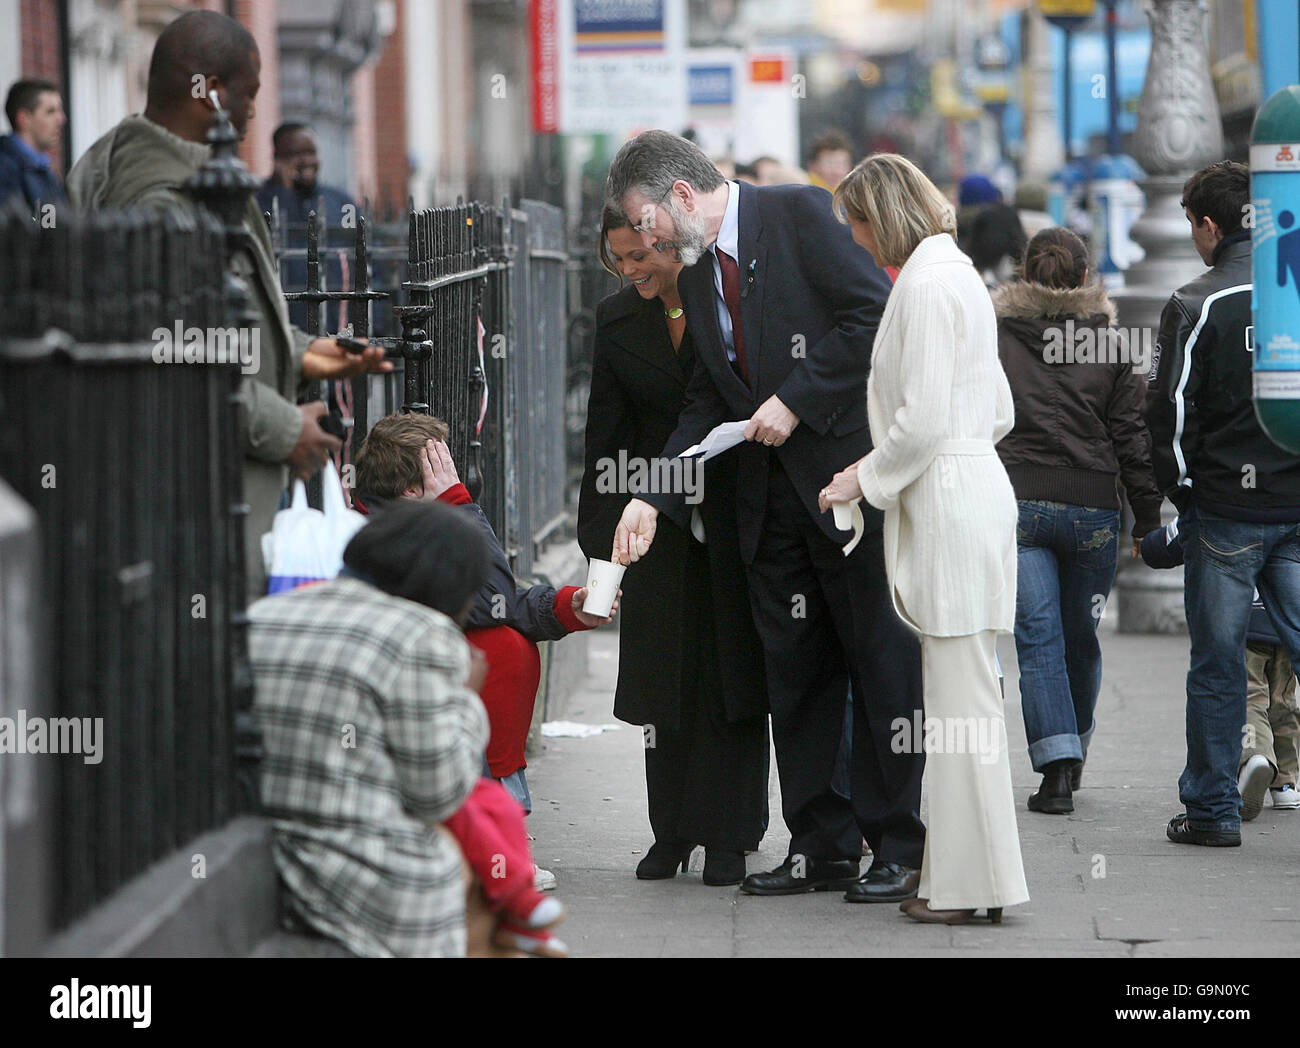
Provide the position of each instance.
(1207, 444)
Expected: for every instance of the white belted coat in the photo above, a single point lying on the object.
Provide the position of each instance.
(937, 402)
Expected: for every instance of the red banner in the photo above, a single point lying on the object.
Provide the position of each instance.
(544, 34)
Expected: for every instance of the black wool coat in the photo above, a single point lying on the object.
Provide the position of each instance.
(683, 602)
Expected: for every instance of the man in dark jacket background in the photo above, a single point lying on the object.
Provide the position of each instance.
(1238, 496)
(294, 190)
(35, 112)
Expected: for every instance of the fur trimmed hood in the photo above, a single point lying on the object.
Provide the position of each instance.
(1025, 299)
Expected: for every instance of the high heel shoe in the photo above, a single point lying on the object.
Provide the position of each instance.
(919, 910)
(663, 860)
(723, 867)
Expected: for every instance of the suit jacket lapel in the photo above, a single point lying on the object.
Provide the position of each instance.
(752, 265)
(700, 298)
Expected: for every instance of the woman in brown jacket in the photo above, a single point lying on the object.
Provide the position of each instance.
(1078, 387)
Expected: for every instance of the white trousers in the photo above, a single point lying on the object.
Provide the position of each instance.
(972, 847)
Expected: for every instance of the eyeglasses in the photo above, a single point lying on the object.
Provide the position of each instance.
(643, 227)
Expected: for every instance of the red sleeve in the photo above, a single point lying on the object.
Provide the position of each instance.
(564, 610)
(456, 495)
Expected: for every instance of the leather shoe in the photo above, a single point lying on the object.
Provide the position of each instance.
(1054, 796)
(799, 874)
(1180, 832)
(885, 882)
(723, 867)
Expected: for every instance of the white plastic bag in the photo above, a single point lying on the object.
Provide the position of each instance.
(306, 545)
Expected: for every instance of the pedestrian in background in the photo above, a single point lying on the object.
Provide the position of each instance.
(1079, 427)
(690, 663)
(989, 229)
(1269, 760)
(295, 190)
(1237, 493)
(830, 158)
(1269, 755)
(36, 117)
(938, 402)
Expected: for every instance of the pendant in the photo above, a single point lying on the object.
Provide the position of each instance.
(675, 314)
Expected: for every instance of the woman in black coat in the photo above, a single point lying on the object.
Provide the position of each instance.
(690, 661)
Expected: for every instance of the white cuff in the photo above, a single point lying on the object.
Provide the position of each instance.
(872, 490)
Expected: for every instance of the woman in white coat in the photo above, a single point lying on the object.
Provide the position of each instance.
(937, 401)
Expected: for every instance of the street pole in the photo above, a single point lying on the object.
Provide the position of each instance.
(1067, 16)
(1112, 81)
(1042, 149)
(1067, 111)
(1179, 131)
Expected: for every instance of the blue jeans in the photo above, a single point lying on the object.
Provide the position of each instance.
(1065, 566)
(1226, 561)
(516, 784)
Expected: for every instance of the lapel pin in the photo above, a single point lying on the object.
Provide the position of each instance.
(749, 280)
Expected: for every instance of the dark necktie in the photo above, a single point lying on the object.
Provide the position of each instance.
(731, 296)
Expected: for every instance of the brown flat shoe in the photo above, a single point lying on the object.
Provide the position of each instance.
(919, 910)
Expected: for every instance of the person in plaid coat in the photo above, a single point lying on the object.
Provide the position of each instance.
(373, 734)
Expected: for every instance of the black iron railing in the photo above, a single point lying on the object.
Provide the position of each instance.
(132, 467)
(481, 300)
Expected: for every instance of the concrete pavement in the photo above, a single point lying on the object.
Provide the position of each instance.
(1103, 881)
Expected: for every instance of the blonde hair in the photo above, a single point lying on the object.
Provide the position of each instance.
(898, 201)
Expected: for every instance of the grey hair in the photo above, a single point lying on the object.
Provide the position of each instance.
(653, 161)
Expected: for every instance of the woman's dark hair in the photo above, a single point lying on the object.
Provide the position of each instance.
(1057, 258)
(424, 551)
(610, 218)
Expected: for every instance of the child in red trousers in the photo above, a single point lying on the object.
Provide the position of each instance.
(490, 830)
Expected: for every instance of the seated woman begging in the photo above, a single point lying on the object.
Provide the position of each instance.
(405, 456)
(373, 736)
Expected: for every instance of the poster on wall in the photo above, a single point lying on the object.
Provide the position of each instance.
(713, 85)
(767, 122)
(608, 66)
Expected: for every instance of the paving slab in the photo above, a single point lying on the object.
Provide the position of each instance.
(1104, 881)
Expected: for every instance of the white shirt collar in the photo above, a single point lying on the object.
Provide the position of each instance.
(729, 235)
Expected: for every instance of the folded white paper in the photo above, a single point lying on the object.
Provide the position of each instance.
(849, 515)
(721, 438)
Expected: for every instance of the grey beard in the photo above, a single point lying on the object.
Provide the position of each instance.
(690, 244)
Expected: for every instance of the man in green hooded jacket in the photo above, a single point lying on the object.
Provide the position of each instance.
(200, 59)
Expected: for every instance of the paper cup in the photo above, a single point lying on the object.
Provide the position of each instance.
(603, 578)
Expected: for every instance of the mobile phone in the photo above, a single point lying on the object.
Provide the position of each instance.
(351, 345)
(333, 425)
